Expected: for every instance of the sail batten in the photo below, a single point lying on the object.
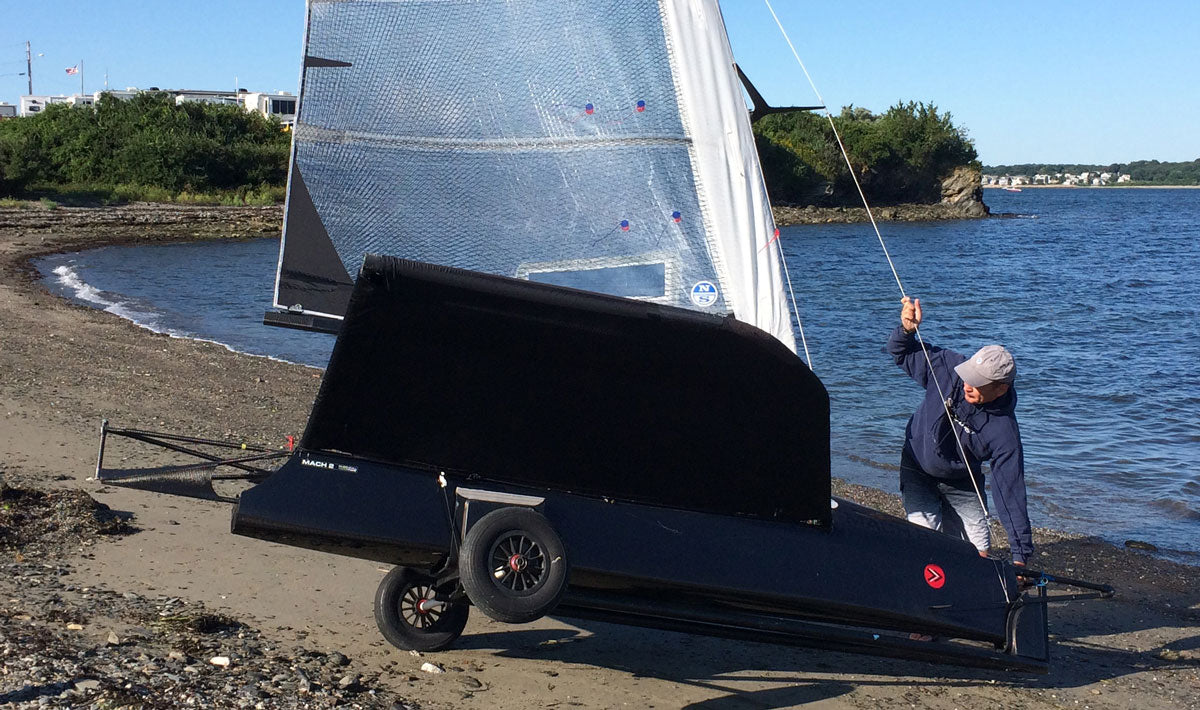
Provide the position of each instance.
(598, 145)
(325, 135)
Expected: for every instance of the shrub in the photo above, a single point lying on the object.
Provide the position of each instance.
(146, 145)
(899, 156)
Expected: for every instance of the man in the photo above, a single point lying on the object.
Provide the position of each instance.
(935, 482)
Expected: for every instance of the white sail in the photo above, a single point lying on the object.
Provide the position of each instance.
(597, 145)
(725, 161)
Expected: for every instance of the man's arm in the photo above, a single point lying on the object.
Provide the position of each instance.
(1008, 490)
(902, 343)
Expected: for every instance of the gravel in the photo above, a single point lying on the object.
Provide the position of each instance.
(63, 645)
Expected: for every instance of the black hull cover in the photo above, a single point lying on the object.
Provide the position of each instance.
(523, 383)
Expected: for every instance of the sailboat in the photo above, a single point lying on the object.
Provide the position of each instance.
(565, 379)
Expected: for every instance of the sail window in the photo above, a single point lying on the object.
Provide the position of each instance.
(640, 281)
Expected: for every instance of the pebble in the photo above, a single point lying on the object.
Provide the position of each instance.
(1140, 545)
(432, 668)
(65, 664)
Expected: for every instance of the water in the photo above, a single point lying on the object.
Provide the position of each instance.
(1094, 291)
(207, 290)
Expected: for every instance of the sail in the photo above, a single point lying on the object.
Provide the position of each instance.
(603, 146)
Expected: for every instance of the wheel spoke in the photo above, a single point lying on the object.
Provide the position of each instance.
(411, 611)
(518, 562)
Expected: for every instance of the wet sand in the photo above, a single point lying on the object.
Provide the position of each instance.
(64, 368)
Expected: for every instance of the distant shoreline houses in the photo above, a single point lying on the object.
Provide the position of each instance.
(1085, 178)
(280, 104)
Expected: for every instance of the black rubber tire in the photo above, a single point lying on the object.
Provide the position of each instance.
(403, 625)
(501, 590)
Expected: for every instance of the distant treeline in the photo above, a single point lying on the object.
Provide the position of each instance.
(1145, 171)
(900, 156)
(148, 145)
(146, 141)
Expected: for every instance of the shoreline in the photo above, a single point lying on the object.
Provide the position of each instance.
(67, 366)
(1097, 187)
(790, 215)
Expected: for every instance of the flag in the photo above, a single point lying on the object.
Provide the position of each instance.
(73, 70)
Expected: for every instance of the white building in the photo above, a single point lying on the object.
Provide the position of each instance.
(280, 104)
(1124, 178)
(31, 105)
(219, 98)
(8, 110)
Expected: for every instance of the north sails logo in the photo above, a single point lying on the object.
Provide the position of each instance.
(327, 465)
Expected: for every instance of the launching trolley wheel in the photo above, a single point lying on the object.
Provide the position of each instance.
(413, 616)
(513, 565)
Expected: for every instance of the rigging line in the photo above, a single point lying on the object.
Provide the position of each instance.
(875, 226)
(795, 309)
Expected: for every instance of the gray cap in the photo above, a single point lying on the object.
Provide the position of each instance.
(991, 364)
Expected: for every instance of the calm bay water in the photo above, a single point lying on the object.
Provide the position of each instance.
(1094, 291)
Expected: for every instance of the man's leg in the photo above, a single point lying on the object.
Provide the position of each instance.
(964, 516)
(919, 491)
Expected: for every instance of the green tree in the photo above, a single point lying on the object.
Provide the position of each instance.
(899, 156)
(144, 141)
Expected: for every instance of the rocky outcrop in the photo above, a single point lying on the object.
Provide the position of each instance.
(963, 190)
(785, 216)
(962, 198)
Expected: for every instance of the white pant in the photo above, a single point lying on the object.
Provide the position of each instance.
(947, 505)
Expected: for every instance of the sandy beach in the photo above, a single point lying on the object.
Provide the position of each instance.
(296, 627)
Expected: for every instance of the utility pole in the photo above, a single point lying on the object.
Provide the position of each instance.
(29, 66)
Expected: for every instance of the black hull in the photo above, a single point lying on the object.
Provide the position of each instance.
(662, 567)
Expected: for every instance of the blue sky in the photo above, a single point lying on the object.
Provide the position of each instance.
(1031, 81)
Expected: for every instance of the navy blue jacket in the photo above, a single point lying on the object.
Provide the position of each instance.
(989, 432)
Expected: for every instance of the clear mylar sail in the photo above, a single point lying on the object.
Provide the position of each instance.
(604, 146)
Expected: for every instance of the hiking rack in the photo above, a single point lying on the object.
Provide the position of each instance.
(194, 480)
(1043, 580)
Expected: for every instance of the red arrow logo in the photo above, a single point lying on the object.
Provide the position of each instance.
(934, 576)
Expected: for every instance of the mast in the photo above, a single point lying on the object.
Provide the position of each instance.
(29, 66)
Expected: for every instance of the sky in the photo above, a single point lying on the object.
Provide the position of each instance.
(1059, 81)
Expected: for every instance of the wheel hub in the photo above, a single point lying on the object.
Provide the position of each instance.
(518, 564)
